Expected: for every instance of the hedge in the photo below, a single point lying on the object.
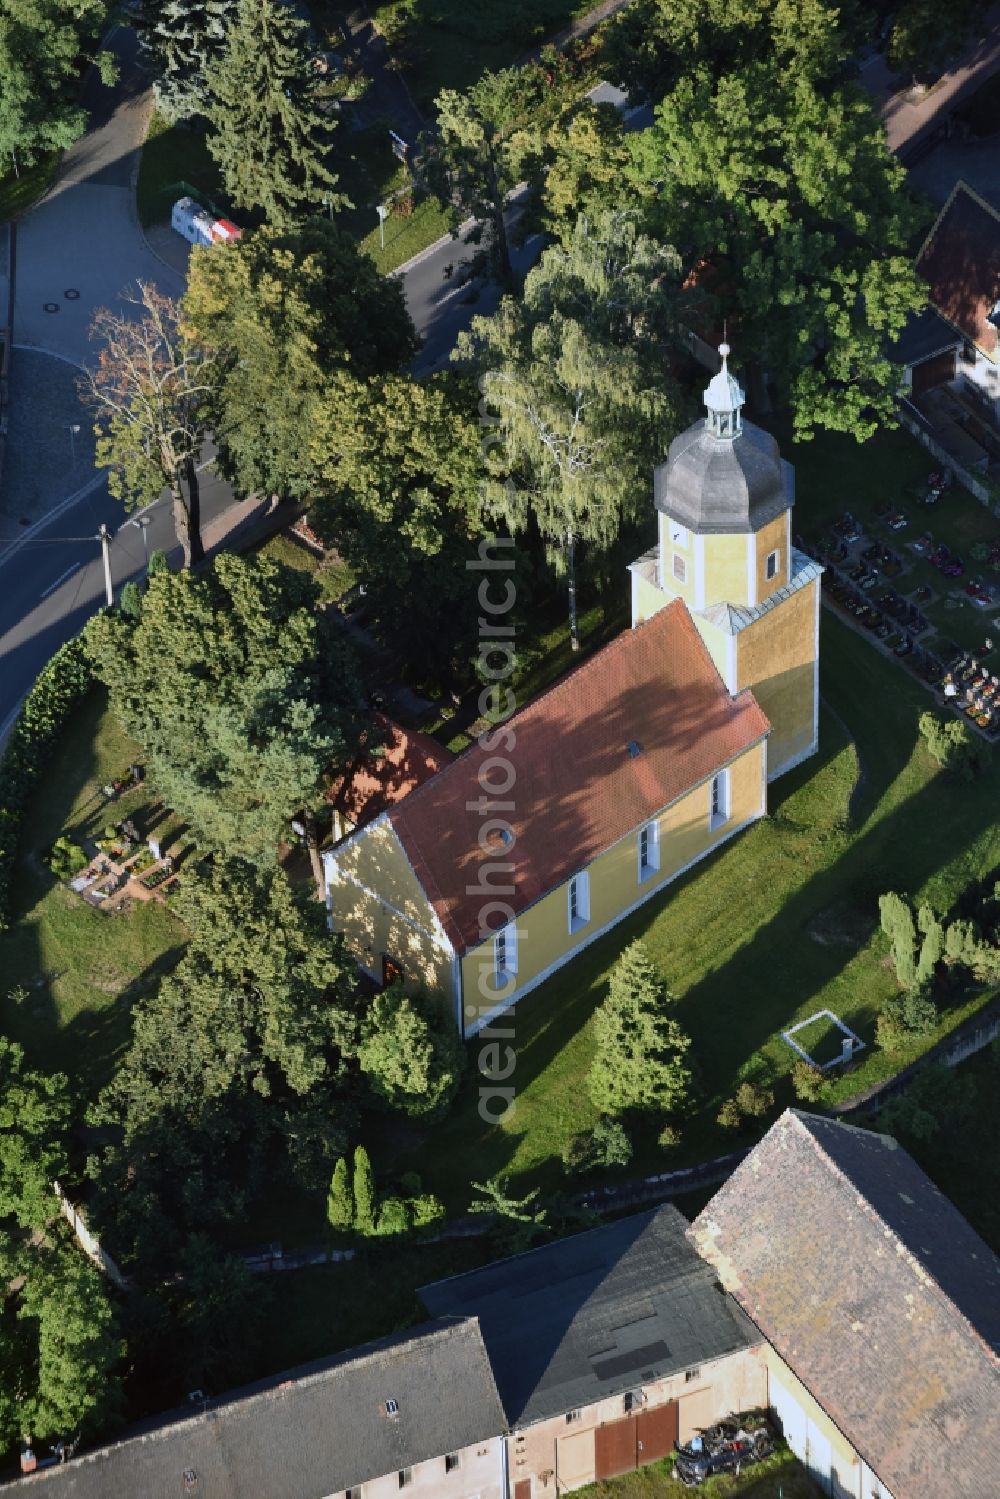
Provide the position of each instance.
(58, 689)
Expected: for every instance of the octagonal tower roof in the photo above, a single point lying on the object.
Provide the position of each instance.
(723, 474)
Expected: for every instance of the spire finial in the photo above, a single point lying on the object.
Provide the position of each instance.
(724, 398)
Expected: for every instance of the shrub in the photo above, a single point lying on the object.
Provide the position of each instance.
(951, 743)
(60, 686)
(394, 1216)
(807, 1081)
(66, 858)
(610, 1143)
(754, 1100)
(669, 1137)
(607, 1144)
(411, 1183)
(910, 1013)
(750, 1101)
(427, 1210)
(130, 603)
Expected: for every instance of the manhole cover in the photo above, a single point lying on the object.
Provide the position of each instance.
(50, 306)
(23, 520)
(71, 294)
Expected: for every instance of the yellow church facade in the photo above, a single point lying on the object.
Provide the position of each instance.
(483, 880)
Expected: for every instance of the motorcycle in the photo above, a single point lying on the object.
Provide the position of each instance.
(728, 1447)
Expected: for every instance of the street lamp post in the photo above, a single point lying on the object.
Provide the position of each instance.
(142, 522)
(73, 429)
(383, 214)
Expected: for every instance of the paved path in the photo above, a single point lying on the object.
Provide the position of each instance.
(84, 236)
(910, 120)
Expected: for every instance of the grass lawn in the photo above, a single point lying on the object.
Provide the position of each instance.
(79, 969)
(175, 160)
(333, 575)
(18, 191)
(778, 924)
(834, 476)
(781, 1477)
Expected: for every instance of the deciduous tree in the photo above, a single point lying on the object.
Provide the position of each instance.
(42, 44)
(34, 1121)
(651, 44)
(927, 33)
(397, 470)
(478, 155)
(150, 393)
(792, 190)
(280, 312)
(640, 1060)
(269, 138)
(59, 1343)
(578, 374)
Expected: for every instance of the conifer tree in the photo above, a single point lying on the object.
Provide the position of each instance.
(897, 923)
(340, 1199)
(269, 138)
(182, 39)
(365, 1199)
(640, 1061)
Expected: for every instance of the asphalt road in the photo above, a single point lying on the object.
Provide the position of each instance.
(442, 301)
(52, 578)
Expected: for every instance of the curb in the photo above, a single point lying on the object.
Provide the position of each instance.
(429, 250)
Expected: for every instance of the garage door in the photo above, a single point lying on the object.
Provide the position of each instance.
(576, 1460)
(522, 1489)
(656, 1432)
(792, 1417)
(809, 1444)
(615, 1448)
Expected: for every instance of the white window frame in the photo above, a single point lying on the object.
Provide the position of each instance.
(505, 955)
(771, 573)
(679, 568)
(648, 850)
(405, 1476)
(718, 800)
(578, 887)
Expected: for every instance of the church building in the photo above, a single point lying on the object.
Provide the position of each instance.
(623, 775)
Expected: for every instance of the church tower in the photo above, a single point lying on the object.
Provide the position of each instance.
(724, 499)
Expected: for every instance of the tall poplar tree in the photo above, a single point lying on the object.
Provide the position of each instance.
(268, 137)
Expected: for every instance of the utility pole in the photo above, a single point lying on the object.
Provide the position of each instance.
(104, 536)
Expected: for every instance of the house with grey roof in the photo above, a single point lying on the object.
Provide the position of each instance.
(606, 1347)
(880, 1306)
(415, 1415)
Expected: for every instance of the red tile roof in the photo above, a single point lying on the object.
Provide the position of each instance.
(577, 790)
(960, 262)
(378, 781)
